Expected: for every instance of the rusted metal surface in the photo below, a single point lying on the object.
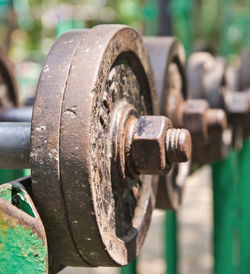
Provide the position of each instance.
(209, 79)
(168, 60)
(8, 84)
(206, 78)
(237, 106)
(156, 146)
(206, 126)
(214, 148)
(96, 212)
(149, 140)
(22, 235)
(46, 185)
(171, 187)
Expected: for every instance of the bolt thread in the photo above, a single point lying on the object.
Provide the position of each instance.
(178, 145)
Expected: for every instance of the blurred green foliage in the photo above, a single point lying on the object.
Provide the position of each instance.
(221, 26)
(29, 27)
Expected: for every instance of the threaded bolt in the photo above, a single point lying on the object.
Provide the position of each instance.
(156, 145)
(178, 145)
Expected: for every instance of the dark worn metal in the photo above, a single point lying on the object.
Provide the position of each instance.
(205, 125)
(212, 80)
(168, 60)
(8, 84)
(19, 218)
(96, 212)
(149, 146)
(156, 145)
(207, 80)
(15, 145)
(46, 177)
(171, 186)
(195, 119)
(21, 114)
(237, 106)
(215, 148)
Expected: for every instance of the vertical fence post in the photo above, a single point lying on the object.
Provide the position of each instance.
(225, 179)
(243, 210)
(129, 269)
(171, 242)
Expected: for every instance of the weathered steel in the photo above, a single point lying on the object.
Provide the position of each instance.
(170, 196)
(168, 60)
(95, 212)
(85, 132)
(46, 184)
(207, 127)
(206, 77)
(15, 145)
(207, 80)
(22, 235)
(156, 146)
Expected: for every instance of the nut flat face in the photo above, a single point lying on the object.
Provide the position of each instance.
(168, 59)
(149, 145)
(194, 118)
(107, 212)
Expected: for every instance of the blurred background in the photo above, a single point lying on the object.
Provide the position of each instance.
(28, 28)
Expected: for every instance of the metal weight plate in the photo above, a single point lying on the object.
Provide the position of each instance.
(95, 211)
(207, 80)
(206, 77)
(168, 59)
(8, 84)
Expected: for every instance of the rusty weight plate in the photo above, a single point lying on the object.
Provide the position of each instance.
(95, 213)
(207, 80)
(8, 84)
(168, 59)
(45, 133)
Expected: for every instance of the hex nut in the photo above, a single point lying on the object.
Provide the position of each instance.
(237, 104)
(148, 145)
(194, 118)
